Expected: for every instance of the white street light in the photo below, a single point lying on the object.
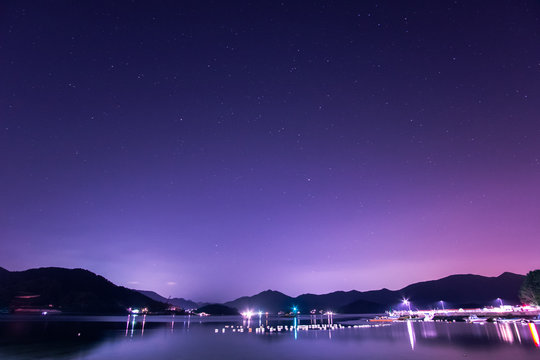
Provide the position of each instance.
(408, 303)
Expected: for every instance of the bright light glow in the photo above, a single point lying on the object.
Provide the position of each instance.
(247, 314)
(407, 303)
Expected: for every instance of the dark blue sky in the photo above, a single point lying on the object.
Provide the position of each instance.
(211, 150)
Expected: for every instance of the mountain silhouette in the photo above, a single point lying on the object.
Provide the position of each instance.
(180, 302)
(68, 290)
(81, 291)
(454, 290)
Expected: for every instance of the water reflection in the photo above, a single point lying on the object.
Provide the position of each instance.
(517, 333)
(504, 332)
(330, 318)
(410, 330)
(416, 333)
(127, 324)
(143, 323)
(246, 322)
(133, 324)
(132, 320)
(534, 334)
(140, 337)
(428, 329)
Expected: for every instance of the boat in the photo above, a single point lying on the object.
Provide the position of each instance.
(384, 319)
(475, 319)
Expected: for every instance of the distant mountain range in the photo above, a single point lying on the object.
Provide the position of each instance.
(180, 302)
(69, 291)
(81, 291)
(455, 290)
(217, 309)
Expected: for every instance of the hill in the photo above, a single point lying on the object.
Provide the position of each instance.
(81, 291)
(217, 309)
(362, 307)
(68, 290)
(336, 299)
(455, 290)
(180, 302)
(461, 289)
(269, 300)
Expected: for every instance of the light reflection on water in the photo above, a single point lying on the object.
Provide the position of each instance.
(534, 334)
(410, 330)
(186, 337)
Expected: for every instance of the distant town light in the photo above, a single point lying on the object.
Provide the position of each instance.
(407, 303)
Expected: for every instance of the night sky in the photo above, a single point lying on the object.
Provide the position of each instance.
(211, 150)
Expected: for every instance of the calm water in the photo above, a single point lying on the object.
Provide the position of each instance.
(195, 338)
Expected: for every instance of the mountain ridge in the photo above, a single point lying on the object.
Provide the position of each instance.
(68, 290)
(179, 302)
(455, 289)
(82, 291)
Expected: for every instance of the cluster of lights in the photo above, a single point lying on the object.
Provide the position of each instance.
(250, 313)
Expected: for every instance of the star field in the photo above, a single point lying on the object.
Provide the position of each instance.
(210, 150)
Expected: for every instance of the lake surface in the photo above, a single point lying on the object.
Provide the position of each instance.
(183, 337)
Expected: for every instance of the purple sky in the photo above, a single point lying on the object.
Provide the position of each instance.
(209, 151)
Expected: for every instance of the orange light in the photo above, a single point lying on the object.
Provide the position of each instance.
(534, 333)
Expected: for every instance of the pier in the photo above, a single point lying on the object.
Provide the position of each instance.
(489, 314)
